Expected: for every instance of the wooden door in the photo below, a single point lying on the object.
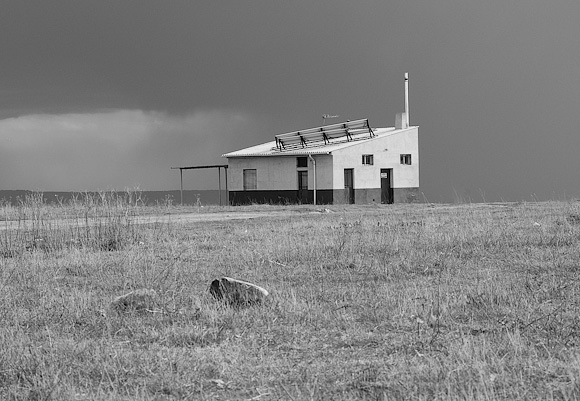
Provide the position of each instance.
(349, 185)
(386, 185)
(303, 186)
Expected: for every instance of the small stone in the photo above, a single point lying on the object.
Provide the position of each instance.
(9, 253)
(111, 244)
(138, 300)
(237, 292)
(73, 243)
(38, 243)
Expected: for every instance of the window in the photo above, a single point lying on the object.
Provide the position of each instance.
(302, 162)
(367, 159)
(406, 159)
(250, 181)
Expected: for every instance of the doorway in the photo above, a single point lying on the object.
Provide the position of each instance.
(303, 186)
(349, 186)
(386, 185)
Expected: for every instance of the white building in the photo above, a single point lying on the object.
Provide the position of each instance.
(349, 162)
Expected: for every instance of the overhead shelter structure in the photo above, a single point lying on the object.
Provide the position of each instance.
(218, 166)
(348, 162)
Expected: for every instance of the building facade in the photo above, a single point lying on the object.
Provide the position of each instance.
(349, 162)
(334, 164)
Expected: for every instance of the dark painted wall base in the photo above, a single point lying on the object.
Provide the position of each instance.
(406, 195)
(323, 196)
(361, 196)
(366, 196)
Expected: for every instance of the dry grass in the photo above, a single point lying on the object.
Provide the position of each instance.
(369, 302)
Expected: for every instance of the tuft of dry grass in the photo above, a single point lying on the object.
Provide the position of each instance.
(477, 301)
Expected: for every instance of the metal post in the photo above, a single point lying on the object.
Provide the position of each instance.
(199, 167)
(181, 185)
(220, 183)
(314, 165)
(227, 193)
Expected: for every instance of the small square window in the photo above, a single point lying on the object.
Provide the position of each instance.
(406, 159)
(367, 159)
(302, 162)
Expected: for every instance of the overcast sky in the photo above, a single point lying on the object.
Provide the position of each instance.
(111, 94)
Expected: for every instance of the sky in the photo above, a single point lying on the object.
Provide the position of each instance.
(100, 95)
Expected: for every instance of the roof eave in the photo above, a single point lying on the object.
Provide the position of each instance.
(279, 154)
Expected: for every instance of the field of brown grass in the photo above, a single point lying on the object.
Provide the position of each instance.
(378, 302)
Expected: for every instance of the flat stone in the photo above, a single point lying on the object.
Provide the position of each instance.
(237, 292)
(138, 300)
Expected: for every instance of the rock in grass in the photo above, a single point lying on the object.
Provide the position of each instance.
(237, 292)
(112, 244)
(138, 300)
(9, 253)
(38, 243)
(73, 243)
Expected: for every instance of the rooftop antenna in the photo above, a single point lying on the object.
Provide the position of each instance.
(325, 116)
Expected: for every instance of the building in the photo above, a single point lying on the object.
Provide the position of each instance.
(349, 162)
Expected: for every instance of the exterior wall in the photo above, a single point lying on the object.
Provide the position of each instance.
(279, 173)
(323, 196)
(323, 172)
(272, 173)
(406, 195)
(386, 153)
(361, 196)
(277, 178)
(365, 196)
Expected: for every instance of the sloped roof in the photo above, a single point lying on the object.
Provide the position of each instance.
(271, 148)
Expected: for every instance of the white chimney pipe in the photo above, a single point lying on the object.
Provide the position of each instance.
(407, 98)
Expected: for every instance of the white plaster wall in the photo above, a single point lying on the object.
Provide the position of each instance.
(323, 172)
(279, 173)
(386, 153)
(272, 173)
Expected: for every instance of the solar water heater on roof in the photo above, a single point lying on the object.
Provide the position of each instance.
(323, 135)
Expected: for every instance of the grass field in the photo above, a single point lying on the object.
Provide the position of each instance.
(422, 302)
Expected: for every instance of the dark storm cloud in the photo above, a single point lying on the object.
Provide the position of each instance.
(113, 150)
(179, 56)
(494, 85)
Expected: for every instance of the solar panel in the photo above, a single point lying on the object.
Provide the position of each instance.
(324, 135)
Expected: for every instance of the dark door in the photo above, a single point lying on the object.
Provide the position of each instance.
(386, 187)
(303, 186)
(349, 185)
